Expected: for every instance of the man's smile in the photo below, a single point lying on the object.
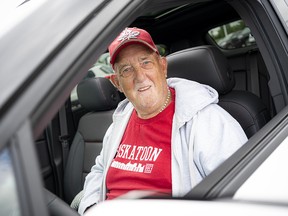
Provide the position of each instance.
(145, 88)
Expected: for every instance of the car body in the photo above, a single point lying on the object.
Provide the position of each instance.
(48, 47)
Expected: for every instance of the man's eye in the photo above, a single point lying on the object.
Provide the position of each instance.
(147, 64)
(126, 71)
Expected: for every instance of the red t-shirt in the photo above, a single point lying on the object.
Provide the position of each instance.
(143, 159)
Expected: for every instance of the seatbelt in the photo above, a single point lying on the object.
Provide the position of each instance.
(49, 139)
(253, 76)
(64, 136)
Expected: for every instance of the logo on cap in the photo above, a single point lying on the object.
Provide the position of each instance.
(128, 34)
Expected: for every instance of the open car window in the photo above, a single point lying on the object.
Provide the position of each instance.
(232, 35)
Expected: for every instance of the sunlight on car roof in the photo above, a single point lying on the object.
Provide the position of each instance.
(13, 11)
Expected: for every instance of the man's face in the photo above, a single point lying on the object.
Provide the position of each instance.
(141, 76)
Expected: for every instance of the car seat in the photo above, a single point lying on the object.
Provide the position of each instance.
(208, 65)
(100, 98)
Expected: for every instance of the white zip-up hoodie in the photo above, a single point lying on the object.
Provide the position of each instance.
(203, 136)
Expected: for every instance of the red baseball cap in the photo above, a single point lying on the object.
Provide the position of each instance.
(130, 36)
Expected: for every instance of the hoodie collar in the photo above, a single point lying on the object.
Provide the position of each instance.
(194, 95)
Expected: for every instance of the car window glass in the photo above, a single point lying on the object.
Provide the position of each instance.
(272, 174)
(233, 35)
(101, 68)
(9, 204)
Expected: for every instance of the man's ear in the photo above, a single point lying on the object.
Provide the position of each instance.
(164, 64)
(114, 80)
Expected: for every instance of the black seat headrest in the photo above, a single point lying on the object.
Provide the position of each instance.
(97, 94)
(203, 64)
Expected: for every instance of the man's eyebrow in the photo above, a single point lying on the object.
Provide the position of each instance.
(144, 57)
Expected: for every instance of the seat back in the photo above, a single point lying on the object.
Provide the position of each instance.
(207, 65)
(100, 98)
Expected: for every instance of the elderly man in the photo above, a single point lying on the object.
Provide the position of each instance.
(166, 136)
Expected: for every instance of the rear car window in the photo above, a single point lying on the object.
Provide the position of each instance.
(101, 68)
(232, 35)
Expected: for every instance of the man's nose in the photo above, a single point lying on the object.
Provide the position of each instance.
(140, 73)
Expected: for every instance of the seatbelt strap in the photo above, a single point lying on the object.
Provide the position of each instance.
(49, 139)
(64, 136)
(253, 76)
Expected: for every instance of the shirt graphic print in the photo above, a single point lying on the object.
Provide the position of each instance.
(143, 159)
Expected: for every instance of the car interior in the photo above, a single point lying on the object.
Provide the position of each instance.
(69, 145)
